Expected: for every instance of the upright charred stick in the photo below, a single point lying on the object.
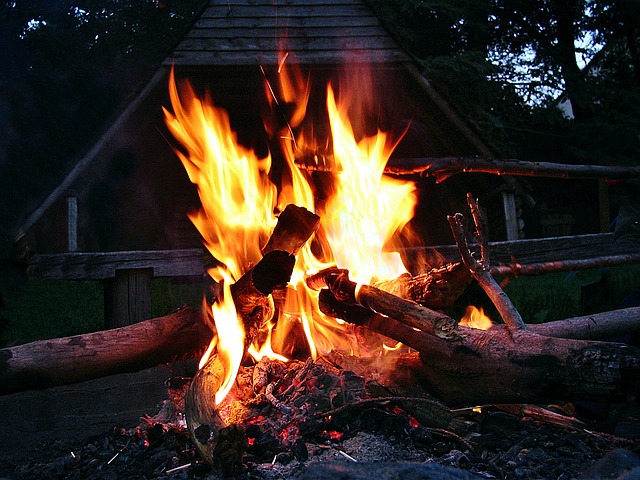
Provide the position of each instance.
(480, 272)
(221, 445)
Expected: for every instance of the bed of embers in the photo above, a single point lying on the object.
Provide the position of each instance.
(314, 419)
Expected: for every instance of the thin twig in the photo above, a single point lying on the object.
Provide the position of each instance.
(373, 401)
(455, 436)
(480, 272)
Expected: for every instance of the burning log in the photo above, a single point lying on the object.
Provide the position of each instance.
(438, 288)
(499, 365)
(219, 444)
(405, 311)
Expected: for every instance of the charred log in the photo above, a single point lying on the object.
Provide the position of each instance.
(252, 298)
(500, 365)
(438, 288)
(407, 312)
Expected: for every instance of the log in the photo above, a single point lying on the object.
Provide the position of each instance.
(599, 326)
(405, 311)
(438, 288)
(63, 361)
(219, 444)
(183, 335)
(442, 168)
(499, 365)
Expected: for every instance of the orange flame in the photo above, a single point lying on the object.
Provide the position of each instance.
(360, 216)
(476, 318)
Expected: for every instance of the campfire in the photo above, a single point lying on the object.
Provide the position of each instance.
(311, 309)
(316, 340)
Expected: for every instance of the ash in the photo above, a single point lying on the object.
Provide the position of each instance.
(311, 420)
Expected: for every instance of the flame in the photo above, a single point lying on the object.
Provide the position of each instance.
(367, 207)
(237, 213)
(476, 318)
(360, 214)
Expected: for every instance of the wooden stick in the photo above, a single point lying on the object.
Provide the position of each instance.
(404, 311)
(481, 228)
(442, 168)
(503, 304)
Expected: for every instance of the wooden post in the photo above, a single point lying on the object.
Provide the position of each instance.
(72, 224)
(127, 297)
(510, 217)
(603, 197)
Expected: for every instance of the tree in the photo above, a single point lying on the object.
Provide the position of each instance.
(69, 66)
(506, 65)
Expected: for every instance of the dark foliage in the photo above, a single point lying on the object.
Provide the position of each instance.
(68, 67)
(506, 66)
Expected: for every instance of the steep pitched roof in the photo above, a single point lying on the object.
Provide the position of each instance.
(251, 32)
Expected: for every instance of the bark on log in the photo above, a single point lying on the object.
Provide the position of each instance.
(500, 365)
(599, 326)
(62, 361)
(220, 444)
(217, 443)
(438, 288)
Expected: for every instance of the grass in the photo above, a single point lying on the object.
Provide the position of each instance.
(41, 309)
(555, 296)
(37, 310)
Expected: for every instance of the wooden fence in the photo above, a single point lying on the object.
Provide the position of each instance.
(127, 276)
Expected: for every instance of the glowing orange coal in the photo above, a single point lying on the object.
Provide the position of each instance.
(362, 213)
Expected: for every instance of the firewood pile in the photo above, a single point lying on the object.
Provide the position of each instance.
(513, 401)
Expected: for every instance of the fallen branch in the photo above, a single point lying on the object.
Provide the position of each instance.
(442, 168)
(480, 273)
(445, 167)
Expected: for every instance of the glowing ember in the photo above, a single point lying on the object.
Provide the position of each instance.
(476, 318)
(364, 211)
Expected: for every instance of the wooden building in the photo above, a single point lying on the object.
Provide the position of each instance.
(130, 193)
